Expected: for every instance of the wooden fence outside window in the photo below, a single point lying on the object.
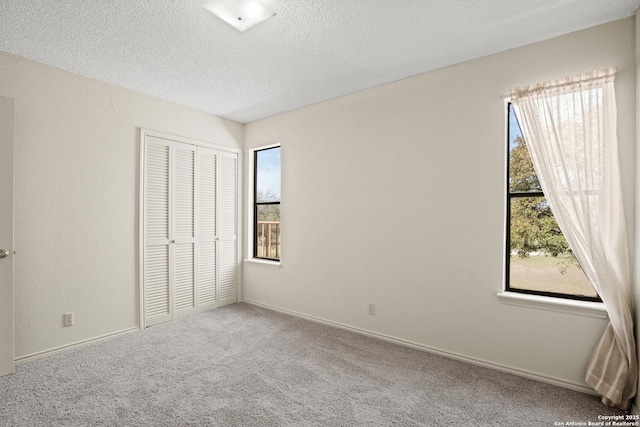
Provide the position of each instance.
(268, 239)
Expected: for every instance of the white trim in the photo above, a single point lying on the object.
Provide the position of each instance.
(264, 263)
(474, 361)
(239, 226)
(141, 242)
(561, 305)
(250, 160)
(60, 349)
(186, 140)
(265, 147)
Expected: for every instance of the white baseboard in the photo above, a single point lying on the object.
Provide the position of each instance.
(475, 361)
(44, 353)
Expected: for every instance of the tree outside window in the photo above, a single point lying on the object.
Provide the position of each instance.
(539, 259)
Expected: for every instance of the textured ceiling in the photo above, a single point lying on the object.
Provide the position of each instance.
(311, 51)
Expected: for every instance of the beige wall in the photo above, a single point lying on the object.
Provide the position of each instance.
(76, 198)
(395, 195)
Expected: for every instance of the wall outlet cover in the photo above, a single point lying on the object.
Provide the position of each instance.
(67, 319)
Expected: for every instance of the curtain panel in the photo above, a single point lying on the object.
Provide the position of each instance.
(570, 129)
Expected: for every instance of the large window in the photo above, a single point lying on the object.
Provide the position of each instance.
(266, 212)
(539, 260)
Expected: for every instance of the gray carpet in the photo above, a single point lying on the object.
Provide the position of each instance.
(242, 365)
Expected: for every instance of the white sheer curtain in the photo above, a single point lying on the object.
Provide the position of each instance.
(570, 129)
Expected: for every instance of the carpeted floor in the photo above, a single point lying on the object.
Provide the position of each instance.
(242, 365)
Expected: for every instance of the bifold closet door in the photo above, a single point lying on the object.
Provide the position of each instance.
(228, 233)
(190, 213)
(157, 283)
(182, 230)
(169, 208)
(207, 231)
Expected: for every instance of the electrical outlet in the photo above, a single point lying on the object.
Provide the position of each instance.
(67, 319)
(372, 309)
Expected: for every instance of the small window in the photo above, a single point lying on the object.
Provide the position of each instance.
(266, 212)
(539, 260)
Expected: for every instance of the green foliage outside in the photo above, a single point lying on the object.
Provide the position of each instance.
(533, 226)
(268, 212)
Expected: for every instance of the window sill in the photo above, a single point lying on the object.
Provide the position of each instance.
(580, 308)
(275, 265)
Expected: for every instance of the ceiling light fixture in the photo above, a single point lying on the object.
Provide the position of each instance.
(242, 14)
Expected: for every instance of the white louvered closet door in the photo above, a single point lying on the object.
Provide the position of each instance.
(183, 219)
(228, 232)
(157, 283)
(189, 214)
(207, 246)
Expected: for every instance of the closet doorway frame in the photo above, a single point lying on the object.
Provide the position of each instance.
(141, 194)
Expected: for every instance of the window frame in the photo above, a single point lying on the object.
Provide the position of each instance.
(256, 204)
(514, 195)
